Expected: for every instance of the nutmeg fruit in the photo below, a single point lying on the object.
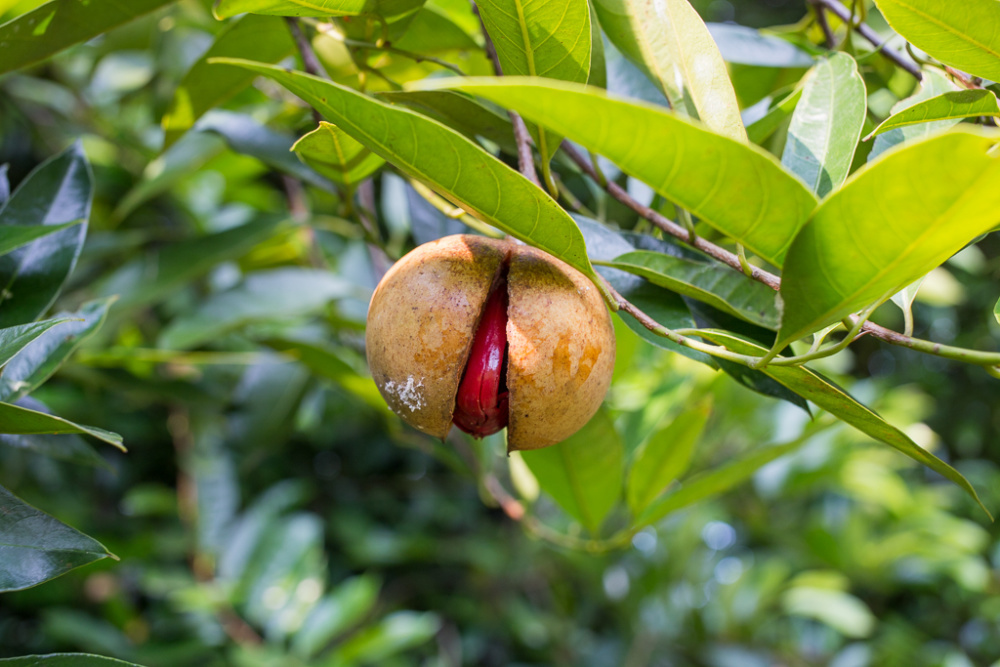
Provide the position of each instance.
(484, 334)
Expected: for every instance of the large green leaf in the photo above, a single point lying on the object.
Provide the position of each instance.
(934, 83)
(670, 41)
(65, 660)
(14, 339)
(826, 124)
(664, 457)
(390, 10)
(584, 472)
(57, 192)
(895, 220)
(13, 237)
(34, 547)
(740, 190)
(33, 365)
(948, 106)
(18, 420)
(836, 401)
(61, 447)
(459, 112)
(56, 25)
(263, 38)
(717, 285)
(446, 161)
(335, 154)
(549, 39)
(963, 34)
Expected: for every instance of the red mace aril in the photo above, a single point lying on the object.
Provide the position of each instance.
(484, 334)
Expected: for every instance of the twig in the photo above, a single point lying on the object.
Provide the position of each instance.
(416, 57)
(989, 360)
(309, 60)
(845, 15)
(828, 36)
(525, 161)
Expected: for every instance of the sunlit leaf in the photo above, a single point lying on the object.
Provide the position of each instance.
(396, 633)
(445, 160)
(949, 106)
(842, 405)
(335, 154)
(347, 605)
(56, 25)
(671, 42)
(263, 38)
(894, 221)
(934, 83)
(584, 472)
(965, 35)
(57, 192)
(390, 10)
(762, 128)
(826, 124)
(740, 190)
(13, 237)
(459, 112)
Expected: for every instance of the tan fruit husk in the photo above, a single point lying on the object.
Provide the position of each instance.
(424, 315)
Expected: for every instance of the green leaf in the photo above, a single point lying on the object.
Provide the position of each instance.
(335, 154)
(33, 365)
(55, 193)
(894, 221)
(398, 632)
(156, 275)
(949, 106)
(549, 39)
(446, 161)
(62, 447)
(583, 473)
(996, 311)
(711, 483)
(325, 362)
(459, 112)
(598, 75)
(665, 457)
(65, 660)
(965, 35)
(263, 38)
(716, 285)
(390, 10)
(265, 296)
(934, 83)
(670, 41)
(836, 401)
(346, 606)
(56, 25)
(14, 339)
(13, 237)
(740, 190)
(746, 46)
(34, 547)
(432, 30)
(762, 128)
(17, 420)
(827, 124)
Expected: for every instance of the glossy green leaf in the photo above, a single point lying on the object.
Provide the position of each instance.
(62, 447)
(670, 41)
(826, 125)
(264, 296)
(664, 457)
(746, 46)
(965, 34)
(56, 25)
(583, 473)
(34, 547)
(934, 83)
(711, 483)
(349, 604)
(13, 237)
(14, 339)
(894, 221)
(949, 106)
(263, 38)
(390, 10)
(446, 161)
(740, 190)
(335, 154)
(459, 112)
(154, 276)
(65, 660)
(840, 404)
(17, 420)
(55, 193)
(710, 282)
(33, 365)
(549, 39)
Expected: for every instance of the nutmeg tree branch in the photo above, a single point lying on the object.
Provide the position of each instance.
(866, 31)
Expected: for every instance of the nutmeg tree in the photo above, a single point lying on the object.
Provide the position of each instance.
(744, 210)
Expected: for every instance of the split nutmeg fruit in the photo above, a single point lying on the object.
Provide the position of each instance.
(486, 334)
